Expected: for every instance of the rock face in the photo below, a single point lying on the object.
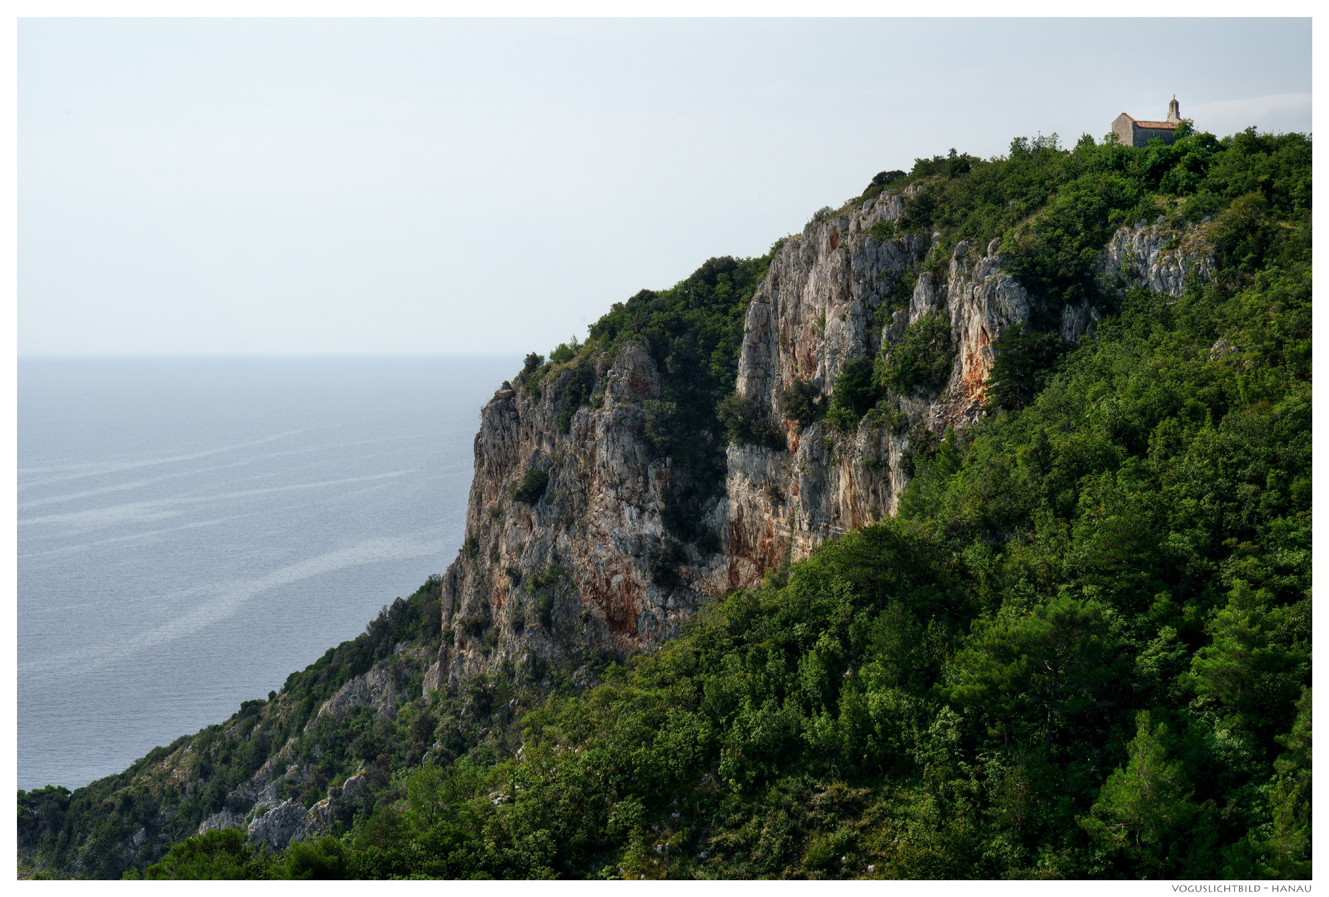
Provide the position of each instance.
(562, 575)
(257, 805)
(565, 576)
(373, 689)
(1157, 256)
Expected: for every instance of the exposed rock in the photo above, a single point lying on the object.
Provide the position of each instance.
(1156, 256)
(570, 572)
(568, 575)
(373, 689)
(224, 819)
(433, 677)
(276, 827)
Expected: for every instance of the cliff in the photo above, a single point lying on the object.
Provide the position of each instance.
(572, 575)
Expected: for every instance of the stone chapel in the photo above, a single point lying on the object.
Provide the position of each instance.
(1134, 132)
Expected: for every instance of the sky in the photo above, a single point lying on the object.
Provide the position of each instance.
(396, 186)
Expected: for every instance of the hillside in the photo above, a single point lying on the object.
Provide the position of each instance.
(965, 534)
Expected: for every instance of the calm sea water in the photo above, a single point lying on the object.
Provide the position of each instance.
(190, 532)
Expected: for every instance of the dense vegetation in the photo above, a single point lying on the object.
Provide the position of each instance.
(1082, 650)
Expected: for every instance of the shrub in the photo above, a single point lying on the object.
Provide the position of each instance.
(854, 394)
(664, 564)
(218, 854)
(897, 297)
(532, 487)
(533, 361)
(746, 423)
(802, 402)
(950, 165)
(883, 231)
(575, 387)
(892, 419)
(921, 360)
(880, 182)
(662, 430)
(565, 352)
(820, 215)
(475, 624)
(543, 584)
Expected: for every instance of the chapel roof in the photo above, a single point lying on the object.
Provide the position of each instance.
(1154, 125)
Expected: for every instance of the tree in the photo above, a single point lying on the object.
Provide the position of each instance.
(1053, 658)
(1023, 362)
(217, 854)
(745, 422)
(532, 487)
(1143, 803)
(1248, 667)
(921, 360)
(321, 860)
(1289, 842)
(424, 791)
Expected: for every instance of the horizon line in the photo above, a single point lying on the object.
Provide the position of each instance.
(258, 356)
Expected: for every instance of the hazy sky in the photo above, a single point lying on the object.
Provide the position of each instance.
(427, 186)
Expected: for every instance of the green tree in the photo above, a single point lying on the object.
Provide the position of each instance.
(1022, 363)
(1142, 804)
(320, 860)
(745, 422)
(532, 487)
(1052, 659)
(424, 791)
(217, 854)
(1288, 846)
(854, 394)
(1252, 667)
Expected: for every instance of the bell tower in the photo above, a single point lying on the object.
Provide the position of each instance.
(1173, 110)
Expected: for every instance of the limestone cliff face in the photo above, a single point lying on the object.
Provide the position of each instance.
(1158, 256)
(814, 314)
(564, 576)
(568, 576)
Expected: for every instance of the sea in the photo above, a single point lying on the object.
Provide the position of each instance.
(192, 531)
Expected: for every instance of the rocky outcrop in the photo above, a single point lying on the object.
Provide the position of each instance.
(820, 308)
(1158, 256)
(567, 575)
(260, 805)
(562, 576)
(275, 822)
(290, 821)
(276, 827)
(810, 318)
(373, 689)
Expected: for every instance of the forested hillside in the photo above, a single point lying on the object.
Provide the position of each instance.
(1081, 650)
